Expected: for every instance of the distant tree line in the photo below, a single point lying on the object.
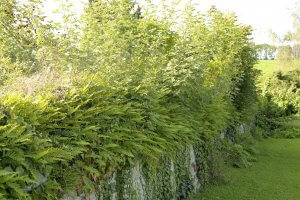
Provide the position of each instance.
(288, 47)
(266, 51)
(271, 52)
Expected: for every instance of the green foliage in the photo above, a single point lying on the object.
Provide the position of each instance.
(210, 162)
(25, 37)
(285, 56)
(288, 127)
(279, 104)
(139, 90)
(240, 153)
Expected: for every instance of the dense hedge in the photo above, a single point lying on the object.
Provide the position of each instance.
(283, 89)
(280, 104)
(140, 91)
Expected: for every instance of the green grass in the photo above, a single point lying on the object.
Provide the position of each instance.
(268, 67)
(275, 176)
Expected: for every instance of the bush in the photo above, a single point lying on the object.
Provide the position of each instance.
(139, 91)
(279, 104)
(240, 153)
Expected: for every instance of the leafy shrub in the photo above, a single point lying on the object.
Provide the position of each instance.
(240, 153)
(138, 91)
(288, 127)
(279, 104)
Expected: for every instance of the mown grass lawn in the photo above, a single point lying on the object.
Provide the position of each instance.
(275, 176)
(268, 67)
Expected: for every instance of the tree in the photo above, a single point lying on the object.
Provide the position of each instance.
(25, 37)
(266, 51)
(296, 51)
(285, 56)
(293, 37)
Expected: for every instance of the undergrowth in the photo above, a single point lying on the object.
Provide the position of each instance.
(124, 87)
(279, 102)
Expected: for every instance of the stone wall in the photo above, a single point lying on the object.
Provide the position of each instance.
(174, 178)
(137, 182)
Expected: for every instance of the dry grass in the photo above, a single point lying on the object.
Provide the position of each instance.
(43, 81)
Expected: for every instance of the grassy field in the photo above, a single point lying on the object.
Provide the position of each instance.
(275, 176)
(268, 67)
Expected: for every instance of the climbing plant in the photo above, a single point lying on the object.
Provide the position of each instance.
(139, 89)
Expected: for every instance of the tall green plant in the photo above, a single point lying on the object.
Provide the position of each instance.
(142, 88)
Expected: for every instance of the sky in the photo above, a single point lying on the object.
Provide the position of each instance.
(262, 15)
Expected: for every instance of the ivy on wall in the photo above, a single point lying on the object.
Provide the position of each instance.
(138, 91)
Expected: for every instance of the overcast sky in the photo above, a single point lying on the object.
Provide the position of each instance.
(262, 15)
